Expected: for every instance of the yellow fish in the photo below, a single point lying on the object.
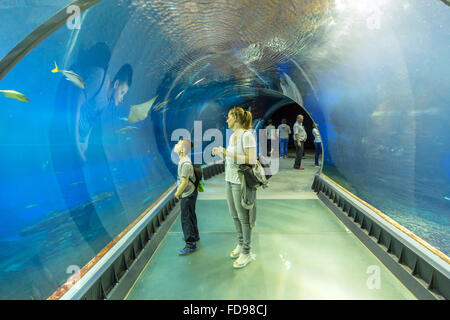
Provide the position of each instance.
(71, 76)
(161, 104)
(197, 82)
(178, 95)
(14, 95)
(126, 129)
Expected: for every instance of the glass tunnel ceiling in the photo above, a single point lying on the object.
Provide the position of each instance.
(30, 13)
(370, 73)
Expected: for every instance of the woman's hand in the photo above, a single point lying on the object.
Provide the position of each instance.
(220, 151)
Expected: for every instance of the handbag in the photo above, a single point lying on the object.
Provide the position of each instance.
(255, 175)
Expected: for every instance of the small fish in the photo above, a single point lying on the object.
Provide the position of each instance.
(384, 113)
(14, 95)
(123, 119)
(126, 129)
(147, 199)
(31, 206)
(431, 111)
(446, 198)
(76, 183)
(128, 139)
(197, 82)
(382, 180)
(178, 95)
(71, 76)
(161, 104)
(163, 110)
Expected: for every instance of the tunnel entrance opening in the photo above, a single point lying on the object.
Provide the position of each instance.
(290, 112)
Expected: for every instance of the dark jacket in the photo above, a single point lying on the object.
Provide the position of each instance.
(248, 199)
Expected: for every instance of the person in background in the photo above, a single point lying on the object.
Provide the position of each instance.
(317, 143)
(299, 138)
(76, 112)
(110, 93)
(187, 194)
(241, 150)
(284, 131)
(269, 131)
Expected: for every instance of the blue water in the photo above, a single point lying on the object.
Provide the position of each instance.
(373, 79)
(30, 13)
(385, 125)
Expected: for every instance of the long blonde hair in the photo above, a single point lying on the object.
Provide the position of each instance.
(243, 117)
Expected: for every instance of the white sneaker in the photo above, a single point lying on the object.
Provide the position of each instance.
(243, 260)
(236, 252)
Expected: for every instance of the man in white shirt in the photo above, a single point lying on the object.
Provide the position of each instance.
(284, 132)
(269, 131)
(299, 141)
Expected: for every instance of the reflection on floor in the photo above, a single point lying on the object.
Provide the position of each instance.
(302, 251)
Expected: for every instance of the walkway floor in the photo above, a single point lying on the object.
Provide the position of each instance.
(302, 251)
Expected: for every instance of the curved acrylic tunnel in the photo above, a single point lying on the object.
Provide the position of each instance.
(79, 165)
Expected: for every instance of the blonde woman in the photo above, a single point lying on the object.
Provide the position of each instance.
(241, 150)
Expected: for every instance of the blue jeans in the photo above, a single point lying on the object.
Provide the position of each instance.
(318, 147)
(240, 215)
(284, 147)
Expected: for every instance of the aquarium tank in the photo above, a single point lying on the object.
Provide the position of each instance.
(91, 92)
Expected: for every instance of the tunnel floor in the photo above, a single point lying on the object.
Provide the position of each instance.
(302, 250)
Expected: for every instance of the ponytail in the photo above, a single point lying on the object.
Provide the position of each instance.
(243, 117)
(247, 124)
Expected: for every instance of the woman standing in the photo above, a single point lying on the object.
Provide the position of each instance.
(241, 150)
(317, 144)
